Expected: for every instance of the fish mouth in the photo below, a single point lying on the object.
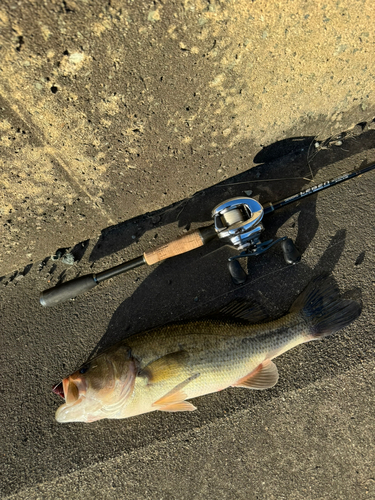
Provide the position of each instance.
(59, 390)
(70, 389)
(73, 390)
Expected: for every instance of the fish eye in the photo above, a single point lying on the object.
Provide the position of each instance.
(84, 369)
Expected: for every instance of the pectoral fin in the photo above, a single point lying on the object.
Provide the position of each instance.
(263, 377)
(165, 368)
(174, 400)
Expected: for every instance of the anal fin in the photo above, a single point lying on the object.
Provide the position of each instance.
(181, 406)
(264, 376)
(174, 400)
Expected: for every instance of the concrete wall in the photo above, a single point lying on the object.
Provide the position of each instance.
(112, 109)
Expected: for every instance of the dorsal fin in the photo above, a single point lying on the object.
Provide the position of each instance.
(241, 309)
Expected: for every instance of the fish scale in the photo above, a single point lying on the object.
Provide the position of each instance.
(222, 361)
(163, 368)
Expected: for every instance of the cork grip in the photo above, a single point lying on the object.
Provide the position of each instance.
(176, 247)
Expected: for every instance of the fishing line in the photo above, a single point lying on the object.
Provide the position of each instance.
(237, 221)
(255, 280)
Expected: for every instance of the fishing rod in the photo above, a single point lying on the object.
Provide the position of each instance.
(237, 221)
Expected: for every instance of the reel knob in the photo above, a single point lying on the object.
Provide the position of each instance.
(291, 253)
(237, 272)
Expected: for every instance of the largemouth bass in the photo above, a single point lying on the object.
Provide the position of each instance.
(161, 369)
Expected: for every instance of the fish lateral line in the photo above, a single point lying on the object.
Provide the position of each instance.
(226, 356)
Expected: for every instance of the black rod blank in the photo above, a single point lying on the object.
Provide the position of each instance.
(71, 289)
(122, 268)
(271, 207)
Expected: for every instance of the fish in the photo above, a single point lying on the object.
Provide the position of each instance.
(162, 369)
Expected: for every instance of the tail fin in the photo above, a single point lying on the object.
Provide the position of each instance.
(323, 309)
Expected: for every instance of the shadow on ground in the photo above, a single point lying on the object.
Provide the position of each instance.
(295, 161)
(41, 344)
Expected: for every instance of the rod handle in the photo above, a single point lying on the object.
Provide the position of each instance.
(68, 290)
(181, 245)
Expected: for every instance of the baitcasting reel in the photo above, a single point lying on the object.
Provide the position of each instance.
(238, 221)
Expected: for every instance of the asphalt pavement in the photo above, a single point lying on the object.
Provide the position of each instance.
(310, 437)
